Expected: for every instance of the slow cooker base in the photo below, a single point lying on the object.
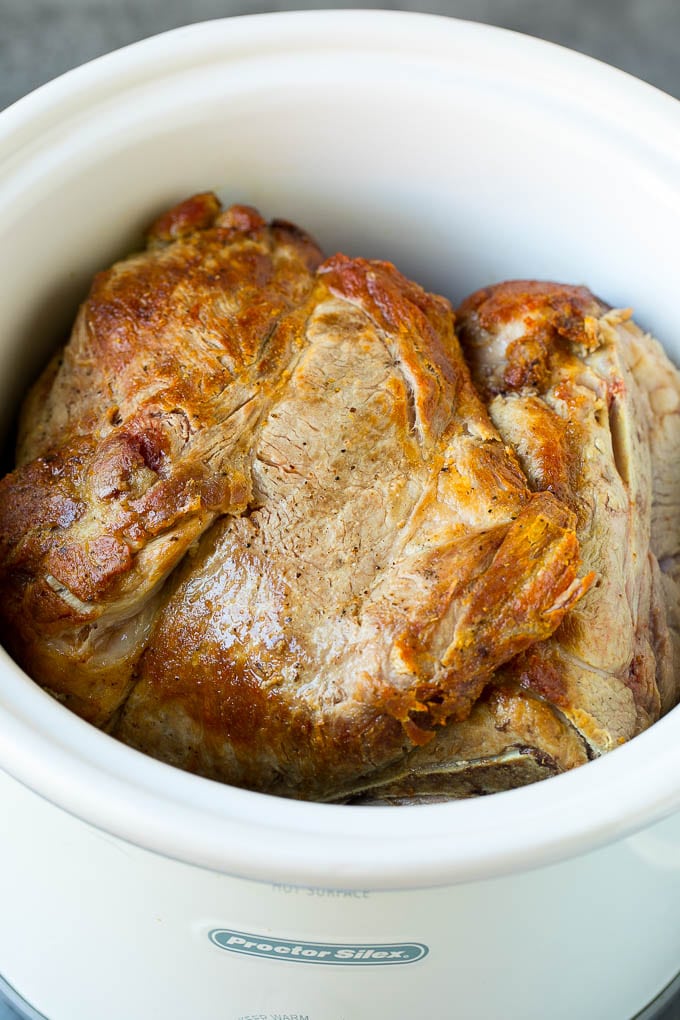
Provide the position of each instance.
(665, 1006)
(22, 1009)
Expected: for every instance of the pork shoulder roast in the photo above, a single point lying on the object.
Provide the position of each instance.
(266, 526)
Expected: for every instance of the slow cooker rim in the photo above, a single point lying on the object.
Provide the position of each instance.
(160, 808)
(254, 835)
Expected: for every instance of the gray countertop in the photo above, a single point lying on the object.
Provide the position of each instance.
(40, 39)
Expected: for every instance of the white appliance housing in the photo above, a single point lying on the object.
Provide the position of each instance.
(465, 154)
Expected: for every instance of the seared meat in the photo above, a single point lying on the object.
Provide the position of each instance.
(262, 526)
(136, 438)
(591, 406)
(569, 383)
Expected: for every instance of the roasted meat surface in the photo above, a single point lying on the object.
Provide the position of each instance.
(261, 524)
(591, 407)
(265, 526)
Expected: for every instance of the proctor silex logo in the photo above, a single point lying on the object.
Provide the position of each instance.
(352, 954)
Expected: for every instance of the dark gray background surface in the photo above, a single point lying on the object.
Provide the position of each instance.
(40, 39)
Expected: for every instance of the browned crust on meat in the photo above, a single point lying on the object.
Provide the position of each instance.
(505, 583)
(133, 449)
(558, 369)
(555, 317)
(262, 526)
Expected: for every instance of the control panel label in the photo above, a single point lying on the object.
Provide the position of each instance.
(365, 954)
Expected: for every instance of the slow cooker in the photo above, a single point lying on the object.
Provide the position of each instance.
(465, 154)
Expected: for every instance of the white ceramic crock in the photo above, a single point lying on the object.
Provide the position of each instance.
(465, 154)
